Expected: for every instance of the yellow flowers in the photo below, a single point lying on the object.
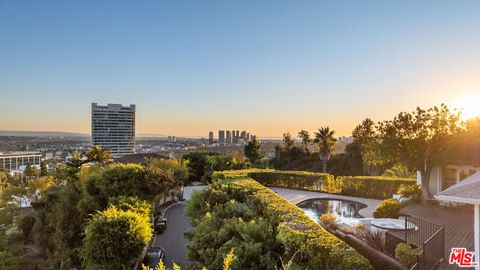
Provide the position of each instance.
(228, 260)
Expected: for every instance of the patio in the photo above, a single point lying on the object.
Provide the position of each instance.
(457, 222)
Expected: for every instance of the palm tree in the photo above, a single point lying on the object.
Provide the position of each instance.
(99, 155)
(326, 142)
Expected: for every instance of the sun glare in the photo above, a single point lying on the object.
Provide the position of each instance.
(469, 104)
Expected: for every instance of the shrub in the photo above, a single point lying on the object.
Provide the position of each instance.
(387, 209)
(25, 224)
(133, 204)
(414, 191)
(399, 170)
(328, 220)
(9, 261)
(374, 238)
(114, 238)
(407, 254)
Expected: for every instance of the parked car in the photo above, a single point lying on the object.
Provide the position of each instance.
(160, 225)
(153, 256)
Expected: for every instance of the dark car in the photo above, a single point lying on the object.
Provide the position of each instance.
(160, 225)
(153, 256)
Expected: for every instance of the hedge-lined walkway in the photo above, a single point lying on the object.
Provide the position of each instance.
(296, 196)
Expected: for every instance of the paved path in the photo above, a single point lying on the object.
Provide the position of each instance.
(172, 239)
(296, 196)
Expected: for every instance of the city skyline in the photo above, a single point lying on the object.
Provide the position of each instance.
(270, 67)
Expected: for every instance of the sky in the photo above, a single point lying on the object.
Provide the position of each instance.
(268, 67)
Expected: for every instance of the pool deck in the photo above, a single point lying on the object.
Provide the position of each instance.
(296, 196)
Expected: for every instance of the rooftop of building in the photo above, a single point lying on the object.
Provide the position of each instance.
(18, 153)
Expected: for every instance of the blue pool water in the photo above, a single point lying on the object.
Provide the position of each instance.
(315, 208)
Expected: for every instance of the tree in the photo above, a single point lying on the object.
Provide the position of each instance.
(97, 154)
(43, 169)
(306, 140)
(118, 180)
(365, 131)
(289, 150)
(364, 141)
(252, 151)
(114, 238)
(288, 142)
(159, 180)
(325, 140)
(353, 159)
(75, 163)
(31, 171)
(3, 181)
(421, 139)
(201, 164)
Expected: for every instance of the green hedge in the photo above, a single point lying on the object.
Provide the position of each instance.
(296, 179)
(317, 248)
(377, 187)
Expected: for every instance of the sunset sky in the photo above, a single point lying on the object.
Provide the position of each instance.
(265, 66)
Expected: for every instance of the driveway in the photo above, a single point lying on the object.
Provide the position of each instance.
(172, 239)
(296, 196)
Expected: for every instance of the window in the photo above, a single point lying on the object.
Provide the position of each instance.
(449, 177)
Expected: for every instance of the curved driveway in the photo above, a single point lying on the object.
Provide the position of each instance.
(172, 239)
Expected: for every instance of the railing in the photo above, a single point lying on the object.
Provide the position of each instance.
(427, 235)
(419, 233)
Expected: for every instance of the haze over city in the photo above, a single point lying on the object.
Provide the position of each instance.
(269, 67)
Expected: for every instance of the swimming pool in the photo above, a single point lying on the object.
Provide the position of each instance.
(315, 208)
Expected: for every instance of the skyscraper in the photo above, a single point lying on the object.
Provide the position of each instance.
(210, 137)
(113, 128)
(229, 137)
(221, 136)
(243, 135)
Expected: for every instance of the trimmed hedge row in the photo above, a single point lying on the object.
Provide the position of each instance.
(317, 248)
(377, 187)
(296, 179)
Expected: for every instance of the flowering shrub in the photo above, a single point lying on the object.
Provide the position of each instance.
(387, 209)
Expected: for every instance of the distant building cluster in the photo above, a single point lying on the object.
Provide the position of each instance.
(342, 143)
(227, 137)
(172, 139)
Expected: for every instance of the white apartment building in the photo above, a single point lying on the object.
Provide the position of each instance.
(113, 128)
(14, 160)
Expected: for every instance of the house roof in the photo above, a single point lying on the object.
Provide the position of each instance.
(466, 191)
